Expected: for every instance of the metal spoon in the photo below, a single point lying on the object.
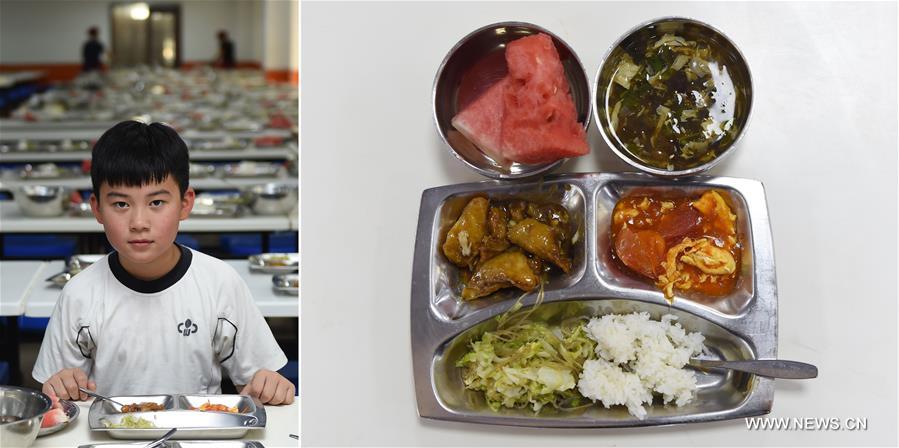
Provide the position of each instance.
(774, 368)
(96, 395)
(162, 440)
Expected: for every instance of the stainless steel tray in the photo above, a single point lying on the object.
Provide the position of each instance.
(742, 325)
(191, 424)
(183, 444)
(250, 170)
(287, 284)
(275, 263)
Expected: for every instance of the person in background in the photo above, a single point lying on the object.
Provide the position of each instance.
(226, 51)
(92, 51)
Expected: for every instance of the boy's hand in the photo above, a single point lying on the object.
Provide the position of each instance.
(66, 382)
(270, 388)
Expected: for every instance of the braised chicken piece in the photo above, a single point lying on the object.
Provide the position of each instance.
(144, 406)
(681, 242)
(510, 268)
(518, 209)
(510, 242)
(541, 240)
(495, 242)
(463, 241)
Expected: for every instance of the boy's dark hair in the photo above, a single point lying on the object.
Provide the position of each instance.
(133, 154)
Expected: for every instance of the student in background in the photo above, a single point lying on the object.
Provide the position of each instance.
(92, 51)
(226, 51)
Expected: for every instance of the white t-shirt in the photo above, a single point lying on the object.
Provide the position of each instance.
(170, 335)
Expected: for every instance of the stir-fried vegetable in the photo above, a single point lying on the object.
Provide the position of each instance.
(691, 93)
(527, 363)
(131, 422)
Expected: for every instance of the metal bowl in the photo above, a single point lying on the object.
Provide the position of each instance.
(272, 199)
(479, 55)
(42, 201)
(21, 413)
(731, 58)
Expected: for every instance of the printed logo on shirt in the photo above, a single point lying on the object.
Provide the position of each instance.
(187, 327)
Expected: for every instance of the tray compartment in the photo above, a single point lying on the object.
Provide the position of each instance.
(616, 277)
(166, 401)
(446, 294)
(244, 404)
(718, 391)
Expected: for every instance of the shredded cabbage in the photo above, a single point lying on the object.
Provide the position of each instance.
(528, 364)
(131, 422)
(626, 71)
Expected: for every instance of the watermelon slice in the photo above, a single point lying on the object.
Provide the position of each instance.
(529, 115)
(480, 122)
(56, 415)
(540, 121)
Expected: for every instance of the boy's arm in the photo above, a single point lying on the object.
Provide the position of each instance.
(244, 342)
(65, 357)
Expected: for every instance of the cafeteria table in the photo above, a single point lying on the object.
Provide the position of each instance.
(281, 421)
(41, 298)
(16, 282)
(15, 222)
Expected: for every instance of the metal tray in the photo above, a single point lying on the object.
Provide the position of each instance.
(74, 265)
(275, 263)
(191, 424)
(183, 444)
(216, 209)
(287, 284)
(742, 325)
(250, 170)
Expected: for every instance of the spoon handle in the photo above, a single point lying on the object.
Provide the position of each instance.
(774, 368)
(162, 440)
(98, 396)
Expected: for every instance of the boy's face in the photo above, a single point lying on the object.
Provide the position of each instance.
(141, 222)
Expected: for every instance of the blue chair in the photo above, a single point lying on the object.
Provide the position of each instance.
(283, 242)
(4, 372)
(240, 245)
(39, 246)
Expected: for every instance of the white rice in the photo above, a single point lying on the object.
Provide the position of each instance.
(639, 356)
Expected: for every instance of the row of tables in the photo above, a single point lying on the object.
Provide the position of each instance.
(13, 221)
(24, 290)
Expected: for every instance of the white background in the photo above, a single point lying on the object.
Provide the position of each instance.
(822, 138)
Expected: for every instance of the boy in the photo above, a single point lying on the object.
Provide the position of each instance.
(154, 317)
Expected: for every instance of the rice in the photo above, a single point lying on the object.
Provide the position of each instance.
(636, 357)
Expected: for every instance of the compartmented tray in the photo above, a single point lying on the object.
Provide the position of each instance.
(191, 424)
(275, 263)
(741, 325)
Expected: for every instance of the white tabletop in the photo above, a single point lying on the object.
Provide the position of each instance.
(823, 139)
(43, 295)
(13, 221)
(18, 279)
(281, 421)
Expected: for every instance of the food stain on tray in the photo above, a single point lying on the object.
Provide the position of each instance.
(508, 243)
(688, 243)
